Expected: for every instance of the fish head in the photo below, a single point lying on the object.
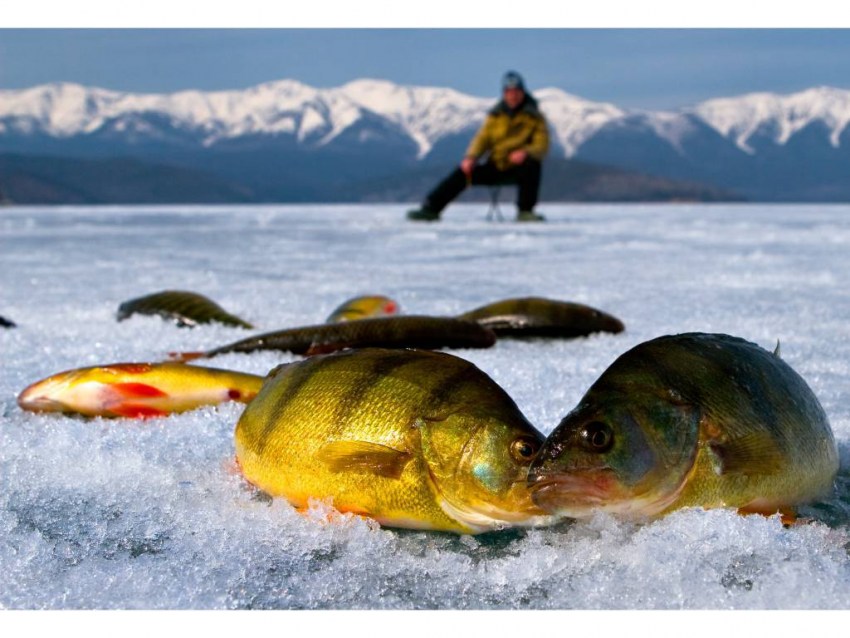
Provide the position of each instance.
(478, 466)
(62, 392)
(626, 450)
(363, 307)
(79, 391)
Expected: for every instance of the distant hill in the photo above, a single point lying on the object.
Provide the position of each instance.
(286, 141)
(26, 179)
(563, 181)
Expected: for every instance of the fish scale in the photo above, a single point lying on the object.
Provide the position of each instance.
(187, 308)
(541, 317)
(411, 331)
(138, 389)
(348, 415)
(411, 438)
(694, 419)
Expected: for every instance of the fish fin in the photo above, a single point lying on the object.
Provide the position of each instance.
(787, 514)
(341, 456)
(278, 369)
(183, 357)
(755, 453)
(323, 348)
(136, 411)
(130, 368)
(232, 467)
(776, 351)
(137, 390)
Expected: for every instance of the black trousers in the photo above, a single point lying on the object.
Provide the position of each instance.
(526, 176)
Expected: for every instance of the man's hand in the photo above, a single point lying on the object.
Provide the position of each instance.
(467, 164)
(518, 156)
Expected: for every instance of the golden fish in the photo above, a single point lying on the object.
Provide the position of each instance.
(412, 439)
(689, 420)
(363, 307)
(138, 390)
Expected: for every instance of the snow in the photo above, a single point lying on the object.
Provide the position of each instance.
(573, 119)
(427, 114)
(128, 514)
(312, 122)
(782, 116)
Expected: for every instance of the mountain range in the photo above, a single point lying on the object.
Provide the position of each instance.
(372, 140)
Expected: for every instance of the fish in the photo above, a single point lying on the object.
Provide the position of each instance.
(7, 323)
(411, 331)
(689, 420)
(137, 390)
(410, 438)
(541, 317)
(187, 309)
(363, 307)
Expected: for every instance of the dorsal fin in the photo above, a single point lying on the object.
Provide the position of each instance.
(776, 350)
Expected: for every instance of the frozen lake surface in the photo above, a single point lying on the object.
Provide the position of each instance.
(139, 515)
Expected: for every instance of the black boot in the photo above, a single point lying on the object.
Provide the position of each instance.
(423, 214)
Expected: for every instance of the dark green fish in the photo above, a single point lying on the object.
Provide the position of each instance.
(186, 308)
(704, 420)
(539, 317)
(5, 323)
(412, 331)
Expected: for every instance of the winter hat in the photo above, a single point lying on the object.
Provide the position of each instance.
(512, 80)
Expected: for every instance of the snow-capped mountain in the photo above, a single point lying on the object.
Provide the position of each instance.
(287, 107)
(779, 116)
(761, 144)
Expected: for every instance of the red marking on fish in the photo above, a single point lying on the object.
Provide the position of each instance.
(141, 390)
(186, 356)
(136, 411)
(132, 368)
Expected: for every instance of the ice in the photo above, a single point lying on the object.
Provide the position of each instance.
(153, 515)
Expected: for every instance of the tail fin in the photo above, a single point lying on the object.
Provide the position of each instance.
(186, 356)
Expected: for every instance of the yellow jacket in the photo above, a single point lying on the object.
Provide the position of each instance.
(503, 133)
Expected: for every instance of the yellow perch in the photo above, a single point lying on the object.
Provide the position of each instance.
(413, 439)
(364, 307)
(138, 390)
(695, 419)
(186, 308)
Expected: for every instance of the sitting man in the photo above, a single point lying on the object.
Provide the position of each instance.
(516, 137)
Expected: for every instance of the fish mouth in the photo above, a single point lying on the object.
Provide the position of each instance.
(31, 399)
(575, 495)
(46, 395)
(481, 516)
(478, 515)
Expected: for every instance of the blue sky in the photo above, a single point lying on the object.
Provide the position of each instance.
(636, 67)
